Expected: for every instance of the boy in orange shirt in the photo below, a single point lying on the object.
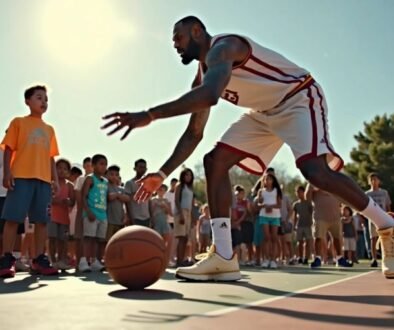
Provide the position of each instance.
(29, 170)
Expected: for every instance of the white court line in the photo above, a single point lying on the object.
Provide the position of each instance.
(290, 294)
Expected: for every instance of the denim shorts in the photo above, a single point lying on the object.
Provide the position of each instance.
(269, 221)
(30, 197)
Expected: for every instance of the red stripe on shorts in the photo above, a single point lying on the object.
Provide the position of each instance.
(247, 155)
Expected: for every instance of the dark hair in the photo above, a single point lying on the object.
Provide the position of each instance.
(139, 161)
(349, 209)
(275, 184)
(75, 170)
(64, 161)
(302, 188)
(270, 169)
(87, 160)
(182, 181)
(373, 175)
(191, 20)
(164, 186)
(174, 180)
(114, 168)
(97, 158)
(239, 188)
(30, 91)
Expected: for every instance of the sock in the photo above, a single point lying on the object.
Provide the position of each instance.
(380, 218)
(221, 236)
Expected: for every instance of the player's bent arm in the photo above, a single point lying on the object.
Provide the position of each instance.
(188, 141)
(219, 61)
(87, 184)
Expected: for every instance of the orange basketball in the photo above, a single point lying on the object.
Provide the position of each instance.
(135, 257)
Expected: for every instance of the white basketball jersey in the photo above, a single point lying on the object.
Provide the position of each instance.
(264, 79)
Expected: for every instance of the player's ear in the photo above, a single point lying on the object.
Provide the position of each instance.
(196, 31)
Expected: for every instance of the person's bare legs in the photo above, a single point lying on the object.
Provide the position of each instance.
(181, 249)
(40, 237)
(9, 236)
(217, 164)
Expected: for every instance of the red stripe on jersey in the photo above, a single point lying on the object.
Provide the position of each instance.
(271, 67)
(264, 75)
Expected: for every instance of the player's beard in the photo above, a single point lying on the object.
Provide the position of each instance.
(192, 52)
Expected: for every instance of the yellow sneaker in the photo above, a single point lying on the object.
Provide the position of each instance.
(211, 268)
(386, 238)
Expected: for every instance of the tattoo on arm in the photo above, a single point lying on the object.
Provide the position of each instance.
(188, 141)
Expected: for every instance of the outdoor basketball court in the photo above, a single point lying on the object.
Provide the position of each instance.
(290, 298)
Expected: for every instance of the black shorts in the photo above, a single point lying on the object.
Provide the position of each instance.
(247, 229)
(236, 237)
(21, 226)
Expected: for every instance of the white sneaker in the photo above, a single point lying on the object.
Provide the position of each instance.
(83, 266)
(273, 264)
(386, 238)
(211, 268)
(97, 266)
(265, 264)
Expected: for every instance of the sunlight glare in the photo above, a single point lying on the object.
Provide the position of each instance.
(81, 32)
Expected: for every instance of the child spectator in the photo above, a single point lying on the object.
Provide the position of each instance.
(116, 200)
(59, 226)
(382, 198)
(270, 200)
(302, 219)
(204, 229)
(160, 209)
(94, 200)
(29, 169)
(349, 234)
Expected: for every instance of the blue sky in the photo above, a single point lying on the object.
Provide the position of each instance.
(104, 56)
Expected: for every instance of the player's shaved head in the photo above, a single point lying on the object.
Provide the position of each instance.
(191, 20)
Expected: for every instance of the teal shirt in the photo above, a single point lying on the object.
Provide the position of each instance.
(97, 197)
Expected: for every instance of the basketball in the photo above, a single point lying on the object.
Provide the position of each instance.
(135, 257)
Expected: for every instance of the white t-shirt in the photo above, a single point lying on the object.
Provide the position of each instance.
(3, 191)
(270, 198)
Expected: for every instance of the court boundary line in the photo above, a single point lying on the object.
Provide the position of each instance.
(260, 302)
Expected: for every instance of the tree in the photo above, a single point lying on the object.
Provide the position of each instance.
(374, 153)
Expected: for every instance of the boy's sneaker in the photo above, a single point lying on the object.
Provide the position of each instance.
(316, 263)
(83, 266)
(386, 237)
(7, 266)
(42, 266)
(300, 260)
(374, 263)
(273, 264)
(212, 268)
(342, 262)
(305, 262)
(97, 266)
(20, 266)
(265, 264)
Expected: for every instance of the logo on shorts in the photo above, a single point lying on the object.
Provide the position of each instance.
(49, 210)
(223, 225)
(231, 96)
(323, 140)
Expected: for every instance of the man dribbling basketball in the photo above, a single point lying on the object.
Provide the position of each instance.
(286, 105)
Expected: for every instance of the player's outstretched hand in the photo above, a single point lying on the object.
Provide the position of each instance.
(147, 186)
(131, 120)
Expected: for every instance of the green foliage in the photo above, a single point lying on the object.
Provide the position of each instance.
(374, 153)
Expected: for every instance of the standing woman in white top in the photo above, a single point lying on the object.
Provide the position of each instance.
(270, 199)
(183, 213)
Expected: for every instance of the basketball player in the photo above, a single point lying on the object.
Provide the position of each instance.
(285, 105)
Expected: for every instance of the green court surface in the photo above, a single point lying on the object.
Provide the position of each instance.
(93, 301)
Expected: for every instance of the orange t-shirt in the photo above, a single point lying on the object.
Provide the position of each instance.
(33, 144)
